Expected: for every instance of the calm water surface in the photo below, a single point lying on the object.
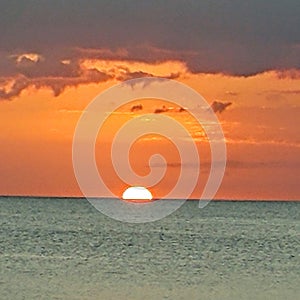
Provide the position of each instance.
(65, 249)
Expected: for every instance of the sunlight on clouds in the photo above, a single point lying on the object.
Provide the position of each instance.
(33, 57)
(66, 61)
(121, 67)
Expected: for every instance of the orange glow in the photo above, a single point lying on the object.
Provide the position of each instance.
(262, 125)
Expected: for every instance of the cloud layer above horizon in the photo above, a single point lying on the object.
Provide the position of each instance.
(42, 42)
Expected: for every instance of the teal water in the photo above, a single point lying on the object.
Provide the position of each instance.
(65, 249)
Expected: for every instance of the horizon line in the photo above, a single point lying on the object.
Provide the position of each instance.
(155, 199)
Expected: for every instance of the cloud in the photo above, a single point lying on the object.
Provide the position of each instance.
(288, 74)
(281, 91)
(43, 43)
(27, 57)
(57, 84)
(58, 71)
(20, 83)
(101, 53)
(228, 37)
(218, 106)
(136, 107)
(283, 143)
(230, 164)
(126, 75)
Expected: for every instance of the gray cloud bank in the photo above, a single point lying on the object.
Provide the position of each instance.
(232, 37)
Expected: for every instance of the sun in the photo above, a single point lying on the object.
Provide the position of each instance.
(137, 194)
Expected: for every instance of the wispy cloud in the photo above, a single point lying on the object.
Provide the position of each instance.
(274, 142)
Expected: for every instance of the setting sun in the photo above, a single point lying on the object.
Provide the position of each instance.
(137, 193)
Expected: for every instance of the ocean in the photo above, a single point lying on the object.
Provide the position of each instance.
(59, 248)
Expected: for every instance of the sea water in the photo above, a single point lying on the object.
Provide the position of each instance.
(53, 248)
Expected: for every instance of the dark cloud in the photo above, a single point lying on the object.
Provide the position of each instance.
(164, 109)
(143, 76)
(231, 37)
(218, 106)
(291, 74)
(136, 107)
(57, 84)
(161, 110)
(127, 75)
(57, 72)
(236, 37)
(20, 83)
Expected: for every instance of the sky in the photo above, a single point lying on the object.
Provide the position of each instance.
(57, 56)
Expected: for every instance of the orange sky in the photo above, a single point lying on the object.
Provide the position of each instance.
(261, 129)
